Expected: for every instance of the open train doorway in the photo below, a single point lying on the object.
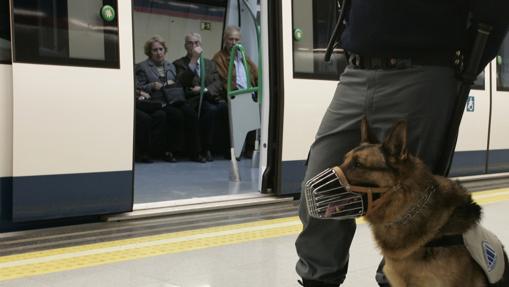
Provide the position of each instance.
(189, 174)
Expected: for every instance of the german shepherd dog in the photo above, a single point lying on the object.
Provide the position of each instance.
(420, 209)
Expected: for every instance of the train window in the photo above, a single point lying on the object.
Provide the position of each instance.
(66, 32)
(503, 66)
(313, 22)
(5, 33)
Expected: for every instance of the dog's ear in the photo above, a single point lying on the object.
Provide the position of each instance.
(396, 140)
(366, 135)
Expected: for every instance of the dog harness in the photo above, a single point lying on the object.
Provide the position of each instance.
(484, 247)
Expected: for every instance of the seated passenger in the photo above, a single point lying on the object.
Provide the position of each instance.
(231, 37)
(222, 59)
(150, 129)
(157, 77)
(214, 111)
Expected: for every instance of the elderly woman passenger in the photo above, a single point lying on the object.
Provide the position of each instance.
(157, 77)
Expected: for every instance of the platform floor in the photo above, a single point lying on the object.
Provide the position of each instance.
(258, 253)
(163, 181)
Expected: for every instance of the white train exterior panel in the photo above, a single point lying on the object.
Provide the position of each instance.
(305, 100)
(473, 133)
(5, 120)
(75, 119)
(499, 136)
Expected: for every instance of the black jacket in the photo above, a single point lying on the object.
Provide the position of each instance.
(189, 79)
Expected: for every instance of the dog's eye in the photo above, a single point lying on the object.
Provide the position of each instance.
(356, 164)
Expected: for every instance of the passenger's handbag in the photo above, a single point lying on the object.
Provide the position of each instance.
(174, 94)
(149, 106)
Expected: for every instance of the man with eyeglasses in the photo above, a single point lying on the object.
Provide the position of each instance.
(240, 73)
(204, 91)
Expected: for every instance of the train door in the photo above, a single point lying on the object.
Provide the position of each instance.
(5, 110)
(188, 181)
(498, 159)
(72, 115)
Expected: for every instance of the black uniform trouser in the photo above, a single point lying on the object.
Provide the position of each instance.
(423, 95)
(183, 128)
(150, 131)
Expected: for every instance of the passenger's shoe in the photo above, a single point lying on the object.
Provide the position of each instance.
(208, 156)
(143, 158)
(311, 283)
(169, 157)
(199, 158)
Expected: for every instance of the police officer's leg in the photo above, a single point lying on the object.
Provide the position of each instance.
(424, 96)
(323, 245)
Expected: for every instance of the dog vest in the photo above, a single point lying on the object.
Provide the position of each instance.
(487, 250)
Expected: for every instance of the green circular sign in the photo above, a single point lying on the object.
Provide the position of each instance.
(108, 13)
(297, 34)
(499, 60)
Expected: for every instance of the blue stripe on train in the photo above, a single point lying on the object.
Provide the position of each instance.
(464, 163)
(68, 195)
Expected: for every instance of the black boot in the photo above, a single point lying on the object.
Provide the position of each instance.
(169, 157)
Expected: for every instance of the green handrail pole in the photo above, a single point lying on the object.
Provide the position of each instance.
(202, 82)
(237, 48)
(258, 42)
(256, 21)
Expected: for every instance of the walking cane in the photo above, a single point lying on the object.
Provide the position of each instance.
(467, 79)
(202, 83)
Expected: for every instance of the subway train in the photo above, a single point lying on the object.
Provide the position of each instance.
(67, 105)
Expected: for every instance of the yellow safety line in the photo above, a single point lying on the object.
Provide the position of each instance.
(62, 259)
(491, 196)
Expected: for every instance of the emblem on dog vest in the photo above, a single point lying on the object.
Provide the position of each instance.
(490, 256)
(486, 249)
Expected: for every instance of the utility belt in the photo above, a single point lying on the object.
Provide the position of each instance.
(389, 63)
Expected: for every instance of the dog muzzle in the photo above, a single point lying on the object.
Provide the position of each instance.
(330, 195)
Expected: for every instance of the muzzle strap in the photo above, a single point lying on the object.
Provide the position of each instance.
(361, 189)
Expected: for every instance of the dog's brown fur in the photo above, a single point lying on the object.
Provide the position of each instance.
(404, 219)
